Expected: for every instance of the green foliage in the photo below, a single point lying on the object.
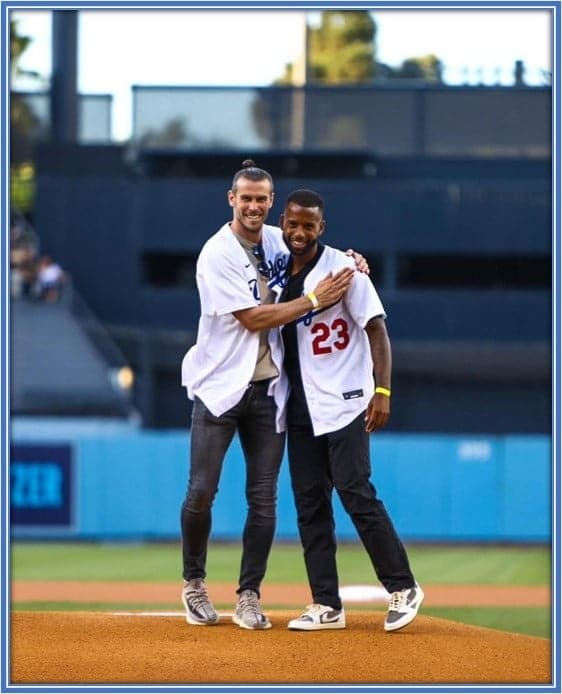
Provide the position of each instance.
(342, 48)
(22, 187)
(18, 45)
(24, 128)
(427, 68)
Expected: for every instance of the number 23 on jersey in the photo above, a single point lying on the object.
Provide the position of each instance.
(329, 337)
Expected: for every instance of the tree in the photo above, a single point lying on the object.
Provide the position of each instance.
(340, 50)
(176, 133)
(23, 121)
(427, 68)
(18, 45)
(24, 128)
(172, 134)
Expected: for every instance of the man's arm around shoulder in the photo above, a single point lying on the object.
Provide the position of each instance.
(327, 292)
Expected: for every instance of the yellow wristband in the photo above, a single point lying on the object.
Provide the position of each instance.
(383, 391)
(312, 297)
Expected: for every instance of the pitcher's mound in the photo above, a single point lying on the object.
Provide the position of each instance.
(94, 647)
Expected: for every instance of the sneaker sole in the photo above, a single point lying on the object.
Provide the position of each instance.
(195, 622)
(316, 627)
(242, 624)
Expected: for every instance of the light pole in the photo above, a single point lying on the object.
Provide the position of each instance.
(64, 82)
(300, 78)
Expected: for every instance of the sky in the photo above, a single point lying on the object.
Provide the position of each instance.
(120, 48)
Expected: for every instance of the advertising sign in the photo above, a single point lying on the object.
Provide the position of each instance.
(42, 487)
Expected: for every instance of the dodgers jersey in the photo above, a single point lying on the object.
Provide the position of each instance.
(219, 367)
(333, 348)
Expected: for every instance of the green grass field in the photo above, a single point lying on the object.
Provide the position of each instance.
(484, 565)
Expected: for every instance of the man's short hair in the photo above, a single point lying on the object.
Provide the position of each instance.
(305, 198)
(252, 172)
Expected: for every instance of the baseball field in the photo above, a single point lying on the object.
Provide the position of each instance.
(110, 613)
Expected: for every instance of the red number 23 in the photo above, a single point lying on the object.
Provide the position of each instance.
(322, 332)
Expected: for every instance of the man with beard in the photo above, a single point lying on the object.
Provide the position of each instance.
(336, 376)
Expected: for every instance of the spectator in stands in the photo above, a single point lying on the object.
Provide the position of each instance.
(24, 248)
(50, 280)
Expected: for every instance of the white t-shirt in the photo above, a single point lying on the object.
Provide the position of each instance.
(50, 275)
(219, 367)
(334, 351)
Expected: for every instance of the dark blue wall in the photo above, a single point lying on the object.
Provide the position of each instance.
(104, 226)
(460, 252)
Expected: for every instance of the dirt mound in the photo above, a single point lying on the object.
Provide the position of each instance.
(86, 647)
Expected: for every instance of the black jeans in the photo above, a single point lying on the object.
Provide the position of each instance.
(340, 460)
(254, 419)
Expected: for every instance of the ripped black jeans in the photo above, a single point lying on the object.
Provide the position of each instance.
(254, 420)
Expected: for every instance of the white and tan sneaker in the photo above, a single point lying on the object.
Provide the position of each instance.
(319, 617)
(403, 608)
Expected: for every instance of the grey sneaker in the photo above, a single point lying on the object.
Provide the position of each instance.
(318, 617)
(248, 613)
(198, 608)
(403, 608)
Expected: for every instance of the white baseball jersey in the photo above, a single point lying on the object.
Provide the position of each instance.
(219, 367)
(334, 352)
